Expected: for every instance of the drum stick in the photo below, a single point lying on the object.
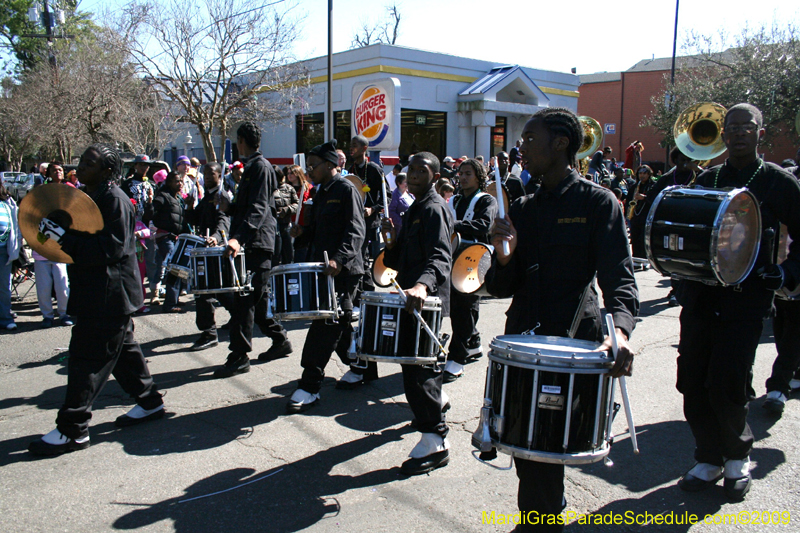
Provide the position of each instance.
(300, 204)
(501, 208)
(623, 384)
(421, 320)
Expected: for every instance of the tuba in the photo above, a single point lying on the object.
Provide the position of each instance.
(592, 137)
(698, 131)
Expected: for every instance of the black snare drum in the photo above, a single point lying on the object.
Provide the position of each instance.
(213, 273)
(300, 291)
(388, 334)
(470, 264)
(708, 235)
(179, 262)
(547, 399)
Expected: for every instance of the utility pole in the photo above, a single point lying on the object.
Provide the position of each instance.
(329, 117)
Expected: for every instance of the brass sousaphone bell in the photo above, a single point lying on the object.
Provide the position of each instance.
(698, 131)
(592, 137)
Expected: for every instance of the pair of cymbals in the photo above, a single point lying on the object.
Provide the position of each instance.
(71, 207)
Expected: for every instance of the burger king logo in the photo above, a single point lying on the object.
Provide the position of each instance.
(371, 114)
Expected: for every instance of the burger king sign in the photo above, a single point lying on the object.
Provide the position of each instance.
(376, 113)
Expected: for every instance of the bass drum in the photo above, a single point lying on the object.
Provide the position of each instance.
(707, 235)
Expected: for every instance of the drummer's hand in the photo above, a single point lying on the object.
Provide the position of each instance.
(332, 268)
(640, 196)
(503, 230)
(415, 297)
(233, 248)
(367, 212)
(387, 227)
(211, 241)
(623, 364)
(295, 231)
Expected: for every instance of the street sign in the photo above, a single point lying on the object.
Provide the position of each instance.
(609, 129)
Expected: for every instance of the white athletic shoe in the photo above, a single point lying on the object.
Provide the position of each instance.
(429, 443)
(301, 401)
(454, 368)
(351, 377)
(794, 384)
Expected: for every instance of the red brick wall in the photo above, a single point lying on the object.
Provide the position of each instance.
(639, 88)
(603, 102)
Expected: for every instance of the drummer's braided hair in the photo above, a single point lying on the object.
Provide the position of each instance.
(479, 170)
(109, 157)
(560, 121)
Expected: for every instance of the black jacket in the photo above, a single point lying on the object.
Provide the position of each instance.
(253, 220)
(484, 214)
(514, 187)
(336, 225)
(372, 175)
(286, 202)
(104, 278)
(422, 253)
(206, 216)
(565, 237)
(168, 213)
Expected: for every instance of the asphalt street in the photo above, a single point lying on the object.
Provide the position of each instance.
(227, 457)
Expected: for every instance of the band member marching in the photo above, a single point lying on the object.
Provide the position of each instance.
(422, 257)
(721, 326)
(474, 212)
(559, 239)
(106, 292)
(337, 227)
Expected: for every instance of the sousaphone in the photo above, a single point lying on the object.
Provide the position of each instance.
(698, 131)
(592, 137)
(65, 205)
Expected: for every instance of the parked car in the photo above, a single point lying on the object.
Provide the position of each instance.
(21, 187)
(10, 177)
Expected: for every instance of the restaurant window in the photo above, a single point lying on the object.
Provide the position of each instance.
(422, 131)
(499, 136)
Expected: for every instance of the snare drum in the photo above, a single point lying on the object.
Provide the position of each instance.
(471, 263)
(708, 235)
(179, 262)
(388, 334)
(300, 291)
(547, 399)
(213, 273)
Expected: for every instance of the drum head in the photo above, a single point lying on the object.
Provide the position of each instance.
(549, 351)
(381, 274)
(470, 268)
(738, 237)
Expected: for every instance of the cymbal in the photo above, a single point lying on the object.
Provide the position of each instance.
(73, 205)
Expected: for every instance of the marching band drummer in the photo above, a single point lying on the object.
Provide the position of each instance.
(422, 257)
(253, 225)
(337, 227)
(474, 212)
(106, 292)
(559, 239)
(721, 326)
(210, 218)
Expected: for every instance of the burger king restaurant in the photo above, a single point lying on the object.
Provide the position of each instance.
(406, 101)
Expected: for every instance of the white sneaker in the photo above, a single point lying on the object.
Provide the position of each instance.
(351, 377)
(301, 401)
(56, 438)
(139, 412)
(775, 402)
(794, 384)
(454, 368)
(428, 444)
(707, 472)
(737, 468)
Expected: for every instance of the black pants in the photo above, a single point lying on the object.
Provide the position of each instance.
(324, 336)
(715, 376)
(786, 326)
(423, 386)
(204, 317)
(637, 238)
(99, 348)
(464, 311)
(252, 308)
(370, 249)
(540, 495)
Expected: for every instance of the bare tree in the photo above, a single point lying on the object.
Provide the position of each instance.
(18, 132)
(216, 61)
(374, 33)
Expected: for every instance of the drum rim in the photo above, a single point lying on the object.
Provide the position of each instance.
(590, 358)
(211, 251)
(715, 235)
(191, 237)
(577, 458)
(299, 315)
(297, 268)
(379, 297)
(403, 360)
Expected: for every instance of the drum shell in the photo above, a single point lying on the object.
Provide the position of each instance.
(179, 262)
(300, 291)
(388, 334)
(682, 234)
(471, 262)
(212, 272)
(540, 390)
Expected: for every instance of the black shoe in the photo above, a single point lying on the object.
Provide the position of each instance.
(233, 367)
(205, 341)
(736, 489)
(276, 351)
(44, 449)
(125, 420)
(689, 483)
(423, 465)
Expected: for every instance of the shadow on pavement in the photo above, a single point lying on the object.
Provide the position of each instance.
(288, 498)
